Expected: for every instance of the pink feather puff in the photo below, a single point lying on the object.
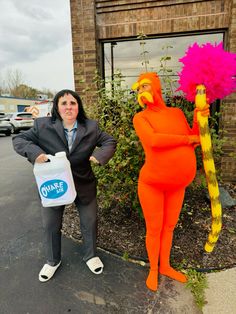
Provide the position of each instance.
(211, 66)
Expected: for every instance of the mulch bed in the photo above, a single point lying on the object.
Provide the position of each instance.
(123, 232)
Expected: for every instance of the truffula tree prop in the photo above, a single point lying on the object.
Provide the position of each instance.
(208, 74)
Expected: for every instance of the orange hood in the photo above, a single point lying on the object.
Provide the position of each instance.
(155, 99)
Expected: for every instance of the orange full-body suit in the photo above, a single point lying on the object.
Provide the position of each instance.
(170, 165)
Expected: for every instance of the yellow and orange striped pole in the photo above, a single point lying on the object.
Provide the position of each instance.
(209, 167)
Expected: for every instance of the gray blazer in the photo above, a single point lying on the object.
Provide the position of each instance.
(48, 137)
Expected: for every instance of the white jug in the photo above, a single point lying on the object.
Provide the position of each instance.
(54, 180)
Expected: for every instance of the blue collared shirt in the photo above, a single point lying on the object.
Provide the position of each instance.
(70, 134)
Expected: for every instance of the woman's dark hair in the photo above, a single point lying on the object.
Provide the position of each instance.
(55, 114)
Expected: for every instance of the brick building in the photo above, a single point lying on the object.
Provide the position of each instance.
(98, 23)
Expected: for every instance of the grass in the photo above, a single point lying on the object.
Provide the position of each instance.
(125, 256)
(197, 283)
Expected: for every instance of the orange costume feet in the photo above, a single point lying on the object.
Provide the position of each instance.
(152, 280)
(173, 274)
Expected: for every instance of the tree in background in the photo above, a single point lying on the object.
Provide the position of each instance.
(24, 91)
(14, 86)
(14, 78)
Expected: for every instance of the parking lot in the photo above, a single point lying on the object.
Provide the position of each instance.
(120, 289)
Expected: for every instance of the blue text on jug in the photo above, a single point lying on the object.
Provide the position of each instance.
(53, 188)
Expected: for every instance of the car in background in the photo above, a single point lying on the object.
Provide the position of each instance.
(5, 125)
(20, 121)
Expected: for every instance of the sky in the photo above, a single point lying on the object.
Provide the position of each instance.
(35, 39)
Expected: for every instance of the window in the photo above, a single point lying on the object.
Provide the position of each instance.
(125, 56)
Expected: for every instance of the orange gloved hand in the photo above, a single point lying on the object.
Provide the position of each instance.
(194, 139)
(204, 112)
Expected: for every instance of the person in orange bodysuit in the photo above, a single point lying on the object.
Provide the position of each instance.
(170, 165)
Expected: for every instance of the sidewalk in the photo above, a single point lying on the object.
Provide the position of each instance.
(221, 293)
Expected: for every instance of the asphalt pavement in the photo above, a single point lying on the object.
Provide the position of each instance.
(73, 289)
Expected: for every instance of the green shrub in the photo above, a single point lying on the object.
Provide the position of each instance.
(118, 179)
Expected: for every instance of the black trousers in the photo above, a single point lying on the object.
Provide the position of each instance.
(52, 223)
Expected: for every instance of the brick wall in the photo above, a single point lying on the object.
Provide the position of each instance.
(228, 163)
(158, 17)
(93, 21)
(84, 46)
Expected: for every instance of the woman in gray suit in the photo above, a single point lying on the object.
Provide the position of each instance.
(69, 130)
